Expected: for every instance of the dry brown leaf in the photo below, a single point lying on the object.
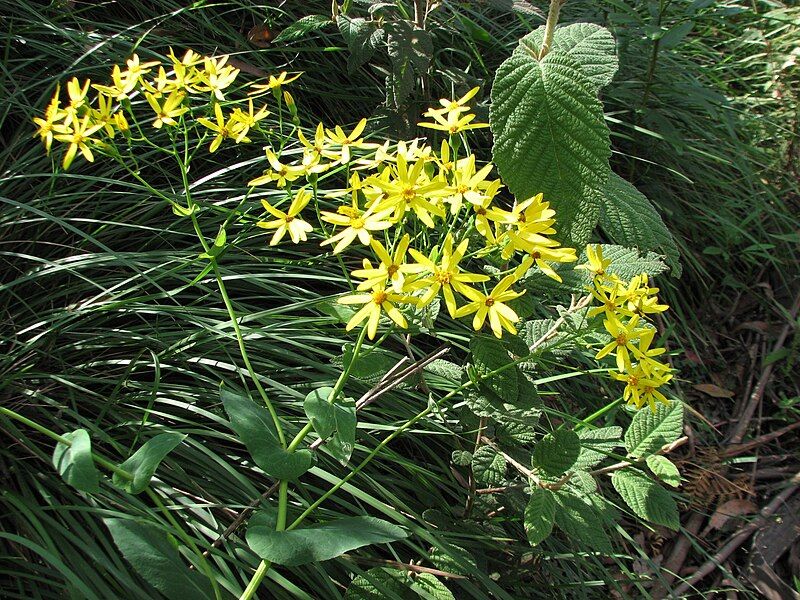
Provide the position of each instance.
(731, 508)
(714, 391)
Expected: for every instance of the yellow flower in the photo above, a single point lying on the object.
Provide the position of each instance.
(274, 83)
(224, 129)
(467, 184)
(597, 265)
(409, 189)
(314, 152)
(379, 300)
(642, 386)
(280, 173)
(445, 276)
(357, 224)
(289, 220)
(501, 316)
(454, 123)
(78, 137)
(452, 106)
(121, 86)
(77, 98)
(345, 141)
(216, 76)
(623, 341)
(47, 125)
(392, 268)
(171, 109)
(246, 120)
(612, 298)
(642, 299)
(136, 69)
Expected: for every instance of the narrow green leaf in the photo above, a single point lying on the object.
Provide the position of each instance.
(550, 136)
(540, 515)
(144, 462)
(75, 463)
(646, 498)
(151, 554)
(592, 47)
(318, 543)
(650, 430)
(557, 451)
(256, 430)
(630, 219)
(596, 444)
(489, 466)
(664, 469)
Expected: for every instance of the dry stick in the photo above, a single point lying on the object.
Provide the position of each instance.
(739, 538)
(763, 439)
(373, 394)
(402, 566)
(758, 391)
(665, 449)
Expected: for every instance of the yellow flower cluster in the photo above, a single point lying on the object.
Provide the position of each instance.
(625, 307)
(88, 124)
(393, 189)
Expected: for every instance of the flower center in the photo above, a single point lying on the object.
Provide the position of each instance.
(462, 189)
(379, 297)
(289, 219)
(409, 194)
(442, 277)
(633, 380)
(622, 340)
(480, 210)
(489, 301)
(392, 270)
(357, 223)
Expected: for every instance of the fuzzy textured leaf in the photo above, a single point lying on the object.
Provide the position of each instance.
(380, 584)
(650, 430)
(489, 466)
(581, 519)
(557, 451)
(75, 462)
(301, 28)
(592, 47)
(631, 220)
(664, 469)
(151, 554)
(550, 136)
(144, 462)
(430, 588)
(646, 498)
(540, 515)
(318, 543)
(489, 354)
(596, 444)
(253, 424)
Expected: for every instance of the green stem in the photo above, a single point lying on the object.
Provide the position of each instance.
(550, 27)
(594, 416)
(187, 540)
(107, 464)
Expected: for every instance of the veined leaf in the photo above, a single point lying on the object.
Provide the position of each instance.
(557, 451)
(334, 421)
(301, 28)
(550, 136)
(151, 554)
(255, 428)
(489, 354)
(429, 587)
(596, 444)
(320, 542)
(664, 469)
(144, 462)
(581, 519)
(650, 430)
(630, 219)
(646, 498)
(592, 47)
(540, 515)
(489, 466)
(380, 583)
(75, 462)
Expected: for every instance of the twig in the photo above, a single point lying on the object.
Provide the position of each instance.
(739, 538)
(763, 439)
(402, 566)
(766, 373)
(665, 449)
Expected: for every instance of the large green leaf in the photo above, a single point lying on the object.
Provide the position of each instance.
(550, 136)
(581, 518)
(144, 462)
(596, 444)
(646, 498)
(540, 515)
(650, 430)
(664, 469)
(489, 354)
(489, 466)
(592, 47)
(151, 554)
(557, 451)
(75, 462)
(255, 428)
(318, 543)
(334, 421)
(630, 219)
